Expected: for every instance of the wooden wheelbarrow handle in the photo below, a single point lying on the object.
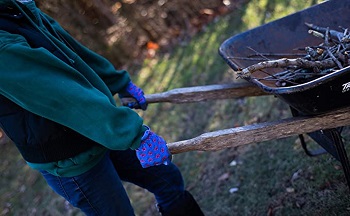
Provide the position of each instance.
(203, 93)
(248, 134)
(260, 132)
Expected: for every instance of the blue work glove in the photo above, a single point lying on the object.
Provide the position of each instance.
(153, 150)
(132, 91)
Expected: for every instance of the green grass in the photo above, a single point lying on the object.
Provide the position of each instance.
(264, 171)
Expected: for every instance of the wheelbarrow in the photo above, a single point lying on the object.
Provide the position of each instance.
(279, 36)
(312, 98)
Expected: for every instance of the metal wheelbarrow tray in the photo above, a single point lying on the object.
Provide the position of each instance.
(286, 35)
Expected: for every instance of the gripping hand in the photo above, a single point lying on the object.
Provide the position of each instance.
(135, 92)
(153, 150)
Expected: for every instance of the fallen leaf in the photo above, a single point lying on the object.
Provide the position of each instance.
(233, 190)
(233, 163)
(290, 190)
(152, 46)
(224, 177)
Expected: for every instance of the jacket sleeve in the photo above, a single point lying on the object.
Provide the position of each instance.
(41, 83)
(114, 79)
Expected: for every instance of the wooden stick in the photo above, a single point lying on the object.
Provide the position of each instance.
(203, 93)
(260, 132)
(284, 62)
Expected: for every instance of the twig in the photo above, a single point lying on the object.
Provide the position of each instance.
(257, 53)
(284, 62)
(334, 34)
(246, 58)
(278, 54)
(334, 58)
(319, 60)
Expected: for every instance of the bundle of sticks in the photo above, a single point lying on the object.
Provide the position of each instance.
(331, 55)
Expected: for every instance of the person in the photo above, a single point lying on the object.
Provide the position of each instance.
(57, 106)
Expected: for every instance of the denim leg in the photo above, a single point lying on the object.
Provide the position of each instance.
(164, 181)
(96, 192)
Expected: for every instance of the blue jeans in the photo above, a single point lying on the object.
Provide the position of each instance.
(100, 191)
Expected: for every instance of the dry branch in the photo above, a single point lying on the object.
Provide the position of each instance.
(327, 57)
(284, 62)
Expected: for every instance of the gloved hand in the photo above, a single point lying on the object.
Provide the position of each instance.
(135, 92)
(153, 150)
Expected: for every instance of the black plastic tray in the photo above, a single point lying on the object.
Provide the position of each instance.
(285, 35)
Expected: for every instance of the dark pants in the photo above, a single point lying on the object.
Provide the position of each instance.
(100, 190)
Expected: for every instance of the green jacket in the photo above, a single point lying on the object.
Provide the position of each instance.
(79, 97)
